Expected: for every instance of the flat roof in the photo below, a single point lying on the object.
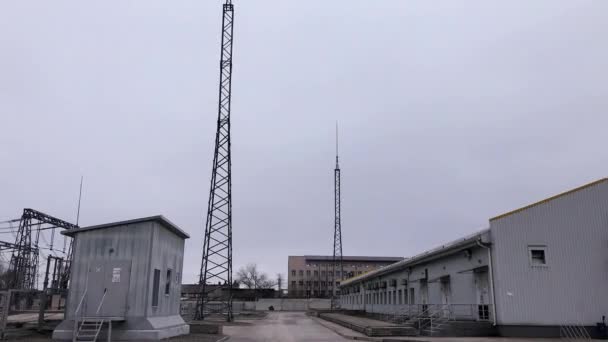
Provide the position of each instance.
(158, 218)
(353, 258)
(462, 242)
(588, 185)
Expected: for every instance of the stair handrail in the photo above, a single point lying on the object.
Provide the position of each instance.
(76, 314)
(101, 301)
(574, 332)
(431, 315)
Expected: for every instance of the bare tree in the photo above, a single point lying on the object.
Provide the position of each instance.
(250, 277)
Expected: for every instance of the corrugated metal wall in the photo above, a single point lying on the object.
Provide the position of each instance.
(130, 242)
(573, 287)
(148, 245)
(168, 253)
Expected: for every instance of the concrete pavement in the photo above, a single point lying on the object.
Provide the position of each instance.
(282, 327)
(297, 327)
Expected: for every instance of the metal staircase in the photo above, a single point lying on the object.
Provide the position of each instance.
(89, 329)
(433, 319)
(574, 333)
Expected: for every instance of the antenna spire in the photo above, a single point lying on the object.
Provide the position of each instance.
(79, 197)
(337, 165)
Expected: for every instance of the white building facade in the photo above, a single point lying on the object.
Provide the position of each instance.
(534, 270)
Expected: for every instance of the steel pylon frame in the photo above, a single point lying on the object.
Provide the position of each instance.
(337, 256)
(23, 266)
(215, 297)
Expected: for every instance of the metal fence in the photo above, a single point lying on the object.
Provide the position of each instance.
(451, 312)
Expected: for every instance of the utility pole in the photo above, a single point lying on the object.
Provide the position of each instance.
(216, 266)
(337, 258)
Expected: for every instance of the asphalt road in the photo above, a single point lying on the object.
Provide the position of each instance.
(282, 327)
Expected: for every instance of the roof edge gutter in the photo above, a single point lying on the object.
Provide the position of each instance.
(413, 262)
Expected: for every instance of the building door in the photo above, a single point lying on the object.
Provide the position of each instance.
(483, 296)
(446, 296)
(424, 296)
(107, 288)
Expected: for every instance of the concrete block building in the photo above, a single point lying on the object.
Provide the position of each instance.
(311, 276)
(125, 281)
(534, 270)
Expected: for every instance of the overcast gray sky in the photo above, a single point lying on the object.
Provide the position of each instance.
(450, 112)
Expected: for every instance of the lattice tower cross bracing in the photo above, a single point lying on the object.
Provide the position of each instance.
(216, 265)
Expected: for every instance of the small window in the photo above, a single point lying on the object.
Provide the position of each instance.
(293, 273)
(538, 256)
(308, 273)
(301, 273)
(155, 287)
(293, 283)
(168, 284)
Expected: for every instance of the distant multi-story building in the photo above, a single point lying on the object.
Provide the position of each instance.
(312, 275)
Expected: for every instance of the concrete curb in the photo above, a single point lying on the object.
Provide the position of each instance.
(364, 338)
(225, 338)
(350, 337)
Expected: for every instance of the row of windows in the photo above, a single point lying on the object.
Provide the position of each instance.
(309, 293)
(314, 283)
(323, 273)
(343, 265)
(398, 297)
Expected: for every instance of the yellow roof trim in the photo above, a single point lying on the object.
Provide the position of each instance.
(549, 199)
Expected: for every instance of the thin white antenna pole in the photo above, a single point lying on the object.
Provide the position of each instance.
(79, 197)
(337, 167)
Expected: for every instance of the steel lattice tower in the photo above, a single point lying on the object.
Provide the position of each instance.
(337, 257)
(216, 267)
(23, 266)
(24, 261)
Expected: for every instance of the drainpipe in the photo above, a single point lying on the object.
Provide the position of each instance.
(487, 247)
(407, 293)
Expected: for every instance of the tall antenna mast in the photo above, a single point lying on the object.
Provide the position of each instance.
(79, 197)
(216, 267)
(338, 270)
(65, 274)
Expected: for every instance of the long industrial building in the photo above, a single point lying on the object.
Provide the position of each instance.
(534, 271)
(311, 276)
